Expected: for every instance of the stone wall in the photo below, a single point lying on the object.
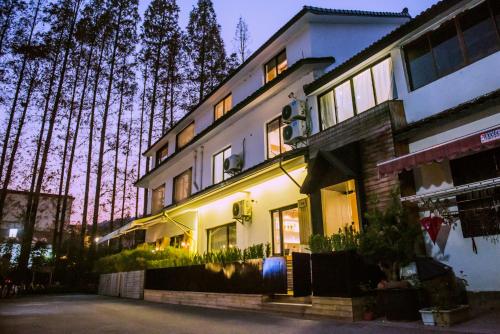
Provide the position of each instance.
(126, 284)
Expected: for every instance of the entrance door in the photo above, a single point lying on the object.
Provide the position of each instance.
(340, 207)
(286, 230)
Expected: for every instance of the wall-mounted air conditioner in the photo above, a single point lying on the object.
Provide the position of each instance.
(233, 164)
(294, 110)
(295, 132)
(242, 210)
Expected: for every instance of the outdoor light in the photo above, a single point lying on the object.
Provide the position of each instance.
(96, 239)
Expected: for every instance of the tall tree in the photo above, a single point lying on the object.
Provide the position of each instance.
(205, 53)
(141, 130)
(241, 40)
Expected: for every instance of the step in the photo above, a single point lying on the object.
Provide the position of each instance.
(280, 298)
(288, 308)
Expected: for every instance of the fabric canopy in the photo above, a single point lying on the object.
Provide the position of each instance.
(450, 150)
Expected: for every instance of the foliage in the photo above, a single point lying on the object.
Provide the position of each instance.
(390, 237)
(346, 239)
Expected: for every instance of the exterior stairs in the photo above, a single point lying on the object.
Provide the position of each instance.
(287, 305)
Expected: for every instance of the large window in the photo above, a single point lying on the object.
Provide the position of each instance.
(275, 66)
(286, 230)
(218, 174)
(275, 144)
(223, 107)
(466, 38)
(363, 91)
(162, 154)
(182, 186)
(185, 136)
(158, 200)
(221, 237)
(478, 209)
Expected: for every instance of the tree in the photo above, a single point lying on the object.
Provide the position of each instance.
(242, 40)
(205, 53)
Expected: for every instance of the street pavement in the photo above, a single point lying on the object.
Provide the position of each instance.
(96, 314)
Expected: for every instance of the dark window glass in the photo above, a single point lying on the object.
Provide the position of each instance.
(177, 241)
(495, 5)
(446, 48)
(465, 170)
(420, 63)
(480, 35)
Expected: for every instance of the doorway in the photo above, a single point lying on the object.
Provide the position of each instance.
(340, 207)
(286, 230)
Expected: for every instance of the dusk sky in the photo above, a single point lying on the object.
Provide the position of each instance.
(264, 17)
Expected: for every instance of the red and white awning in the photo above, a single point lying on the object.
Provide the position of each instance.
(449, 150)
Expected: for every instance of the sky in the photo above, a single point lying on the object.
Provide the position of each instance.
(264, 17)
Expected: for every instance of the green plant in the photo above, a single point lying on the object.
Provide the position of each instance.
(346, 239)
(390, 237)
(319, 244)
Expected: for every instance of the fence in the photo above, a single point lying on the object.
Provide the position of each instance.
(125, 284)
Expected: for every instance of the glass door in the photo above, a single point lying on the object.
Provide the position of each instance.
(286, 230)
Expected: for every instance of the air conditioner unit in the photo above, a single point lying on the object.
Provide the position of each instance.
(233, 163)
(295, 132)
(242, 210)
(294, 110)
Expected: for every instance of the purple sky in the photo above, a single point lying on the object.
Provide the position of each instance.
(264, 17)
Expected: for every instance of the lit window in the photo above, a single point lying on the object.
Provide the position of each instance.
(182, 186)
(158, 200)
(286, 230)
(162, 154)
(275, 143)
(363, 88)
(276, 66)
(382, 80)
(218, 165)
(13, 233)
(343, 99)
(185, 136)
(221, 237)
(223, 107)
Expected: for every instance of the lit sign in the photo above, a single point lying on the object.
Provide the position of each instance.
(490, 136)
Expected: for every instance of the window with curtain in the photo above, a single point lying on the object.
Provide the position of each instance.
(162, 154)
(327, 110)
(221, 237)
(275, 144)
(441, 51)
(158, 200)
(343, 101)
(185, 136)
(218, 165)
(182, 186)
(275, 66)
(223, 106)
(363, 89)
(382, 80)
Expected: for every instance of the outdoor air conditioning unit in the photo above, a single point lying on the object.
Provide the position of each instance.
(242, 210)
(233, 164)
(295, 132)
(294, 110)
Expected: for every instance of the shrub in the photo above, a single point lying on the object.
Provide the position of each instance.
(346, 239)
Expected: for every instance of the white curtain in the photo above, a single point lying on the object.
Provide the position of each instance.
(382, 77)
(363, 90)
(327, 108)
(343, 100)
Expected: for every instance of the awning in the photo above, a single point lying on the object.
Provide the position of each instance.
(454, 149)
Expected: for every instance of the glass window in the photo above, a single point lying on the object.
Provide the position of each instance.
(420, 63)
(286, 230)
(158, 200)
(162, 154)
(363, 90)
(382, 80)
(185, 136)
(13, 233)
(480, 34)
(343, 101)
(495, 5)
(177, 241)
(446, 48)
(182, 186)
(276, 66)
(327, 110)
(275, 145)
(222, 237)
(218, 165)
(223, 107)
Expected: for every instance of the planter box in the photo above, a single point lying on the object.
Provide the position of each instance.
(447, 318)
(400, 304)
(428, 317)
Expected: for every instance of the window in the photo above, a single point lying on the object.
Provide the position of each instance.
(13, 232)
(276, 66)
(223, 107)
(218, 174)
(477, 209)
(162, 154)
(158, 200)
(286, 230)
(182, 186)
(466, 38)
(177, 241)
(185, 136)
(221, 237)
(275, 145)
(370, 87)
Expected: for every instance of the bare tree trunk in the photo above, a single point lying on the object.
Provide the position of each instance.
(140, 143)
(125, 172)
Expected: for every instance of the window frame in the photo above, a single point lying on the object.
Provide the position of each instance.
(222, 151)
(280, 119)
(464, 53)
(280, 212)
(350, 78)
(190, 170)
(227, 233)
(158, 160)
(162, 187)
(275, 59)
(224, 111)
(177, 147)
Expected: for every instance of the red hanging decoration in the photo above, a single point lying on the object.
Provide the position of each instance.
(432, 225)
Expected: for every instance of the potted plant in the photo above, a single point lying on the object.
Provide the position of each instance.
(389, 241)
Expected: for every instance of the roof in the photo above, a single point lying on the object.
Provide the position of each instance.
(306, 9)
(241, 105)
(382, 43)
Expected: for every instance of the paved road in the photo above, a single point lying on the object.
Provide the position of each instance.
(96, 314)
